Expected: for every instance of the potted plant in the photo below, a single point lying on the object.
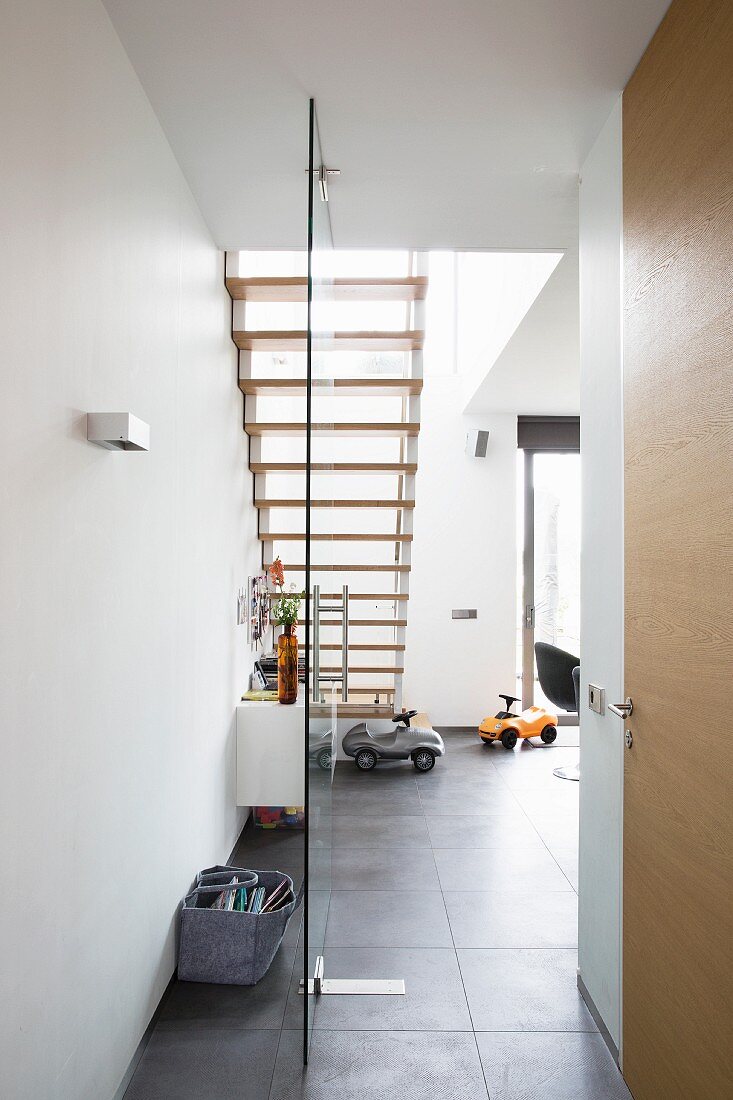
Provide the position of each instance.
(285, 612)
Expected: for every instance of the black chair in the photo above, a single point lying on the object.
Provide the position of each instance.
(559, 674)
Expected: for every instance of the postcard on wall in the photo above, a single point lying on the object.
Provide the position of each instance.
(259, 609)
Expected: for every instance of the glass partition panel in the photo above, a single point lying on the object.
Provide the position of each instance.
(326, 617)
(361, 405)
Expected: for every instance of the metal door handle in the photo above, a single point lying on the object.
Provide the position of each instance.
(623, 710)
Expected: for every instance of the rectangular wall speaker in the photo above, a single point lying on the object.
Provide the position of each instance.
(477, 442)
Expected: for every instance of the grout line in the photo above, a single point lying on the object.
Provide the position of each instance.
(447, 1031)
(539, 834)
(455, 953)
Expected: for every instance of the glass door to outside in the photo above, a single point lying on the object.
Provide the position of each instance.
(550, 606)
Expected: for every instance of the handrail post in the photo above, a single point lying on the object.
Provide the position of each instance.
(345, 644)
(316, 662)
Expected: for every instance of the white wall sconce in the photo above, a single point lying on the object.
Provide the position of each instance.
(118, 431)
(477, 442)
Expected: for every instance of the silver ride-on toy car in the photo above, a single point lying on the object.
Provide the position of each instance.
(418, 744)
(320, 749)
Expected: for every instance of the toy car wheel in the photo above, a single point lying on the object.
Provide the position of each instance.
(423, 760)
(509, 739)
(324, 759)
(549, 734)
(366, 760)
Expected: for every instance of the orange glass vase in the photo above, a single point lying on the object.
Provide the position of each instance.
(287, 666)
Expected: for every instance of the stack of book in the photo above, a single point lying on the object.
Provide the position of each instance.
(253, 900)
(268, 666)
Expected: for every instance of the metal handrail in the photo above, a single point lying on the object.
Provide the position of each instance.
(345, 644)
(318, 676)
(316, 643)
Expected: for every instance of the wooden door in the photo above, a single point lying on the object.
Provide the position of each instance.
(678, 381)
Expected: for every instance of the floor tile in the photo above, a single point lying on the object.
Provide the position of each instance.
(558, 830)
(536, 919)
(292, 932)
(366, 801)
(534, 754)
(192, 1063)
(509, 869)
(470, 781)
(472, 753)
(388, 773)
(383, 869)
(318, 906)
(261, 861)
(532, 765)
(567, 858)
(434, 999)
(372, 1065)
(405, 918)
(550, 1067)
(320, 832)
(510, 829)
(319, 868)
(546, 794)
(380, 832)
(258, 1006)
(473, 803)
(524, 990)
(286, 844)
(568, 737)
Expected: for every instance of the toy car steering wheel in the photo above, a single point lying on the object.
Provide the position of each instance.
(404, 716)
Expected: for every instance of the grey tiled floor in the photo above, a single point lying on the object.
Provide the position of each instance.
(463, 883)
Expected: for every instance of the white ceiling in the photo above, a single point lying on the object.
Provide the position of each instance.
(455, 125)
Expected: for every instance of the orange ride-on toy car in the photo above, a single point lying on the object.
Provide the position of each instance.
(507, 727)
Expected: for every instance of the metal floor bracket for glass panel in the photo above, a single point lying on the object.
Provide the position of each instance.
(351, 987)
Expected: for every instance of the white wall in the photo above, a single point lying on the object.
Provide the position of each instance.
(539, 369)
(120, 660)
(601, 737)
(463, 555)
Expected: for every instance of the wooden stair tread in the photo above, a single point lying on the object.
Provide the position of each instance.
(299, 536)
(385, 597)
(296, 340)
(294, 288)
(356, 622)
(299, 567)
(387, 430)
(295, 503)
(351, 710)
(334, 467)
(391, 670)
(334, 387)
(362, 647)
(368, 690)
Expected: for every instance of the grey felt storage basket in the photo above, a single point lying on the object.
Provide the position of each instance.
(228, 947)
(222, 874)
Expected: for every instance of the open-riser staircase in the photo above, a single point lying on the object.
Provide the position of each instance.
(365, 423)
